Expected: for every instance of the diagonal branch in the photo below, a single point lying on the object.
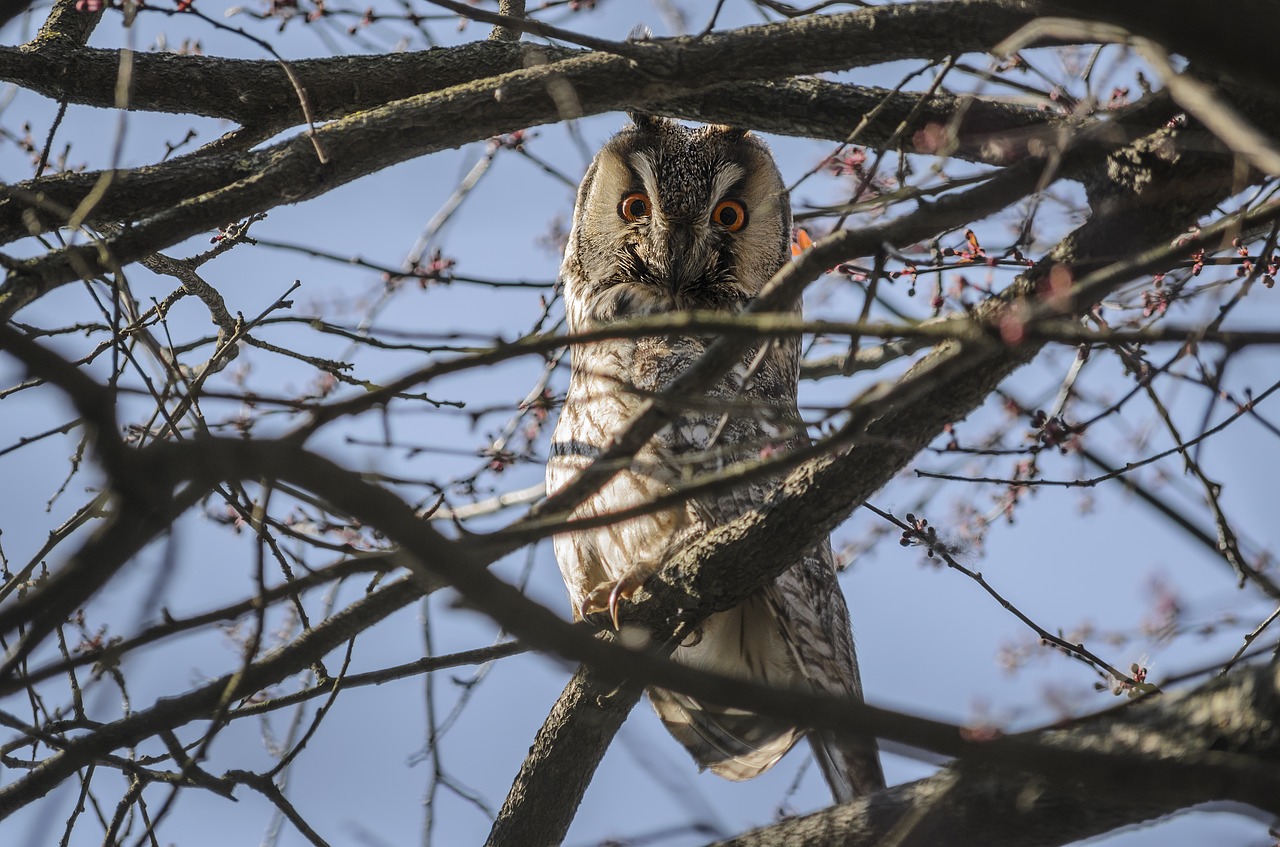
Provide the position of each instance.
(944, 387)
(968, 806)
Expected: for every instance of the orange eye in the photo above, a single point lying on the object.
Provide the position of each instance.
(730, 214)
(634, 206)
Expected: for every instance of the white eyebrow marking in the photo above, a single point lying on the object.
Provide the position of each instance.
(648, 176)
(724, 178)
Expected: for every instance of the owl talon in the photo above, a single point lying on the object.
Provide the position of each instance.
(600, 599)
(609, 596)
(614, 597)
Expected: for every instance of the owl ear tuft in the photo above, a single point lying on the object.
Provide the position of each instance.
(730, 133)
(648, 123)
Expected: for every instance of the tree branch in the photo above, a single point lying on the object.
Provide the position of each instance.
(966, 805)
(255, 93)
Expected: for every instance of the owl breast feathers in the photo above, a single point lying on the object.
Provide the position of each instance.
(671, 218)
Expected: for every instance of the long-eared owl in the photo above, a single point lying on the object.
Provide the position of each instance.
(671, 218)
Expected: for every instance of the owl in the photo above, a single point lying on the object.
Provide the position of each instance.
(671, 218)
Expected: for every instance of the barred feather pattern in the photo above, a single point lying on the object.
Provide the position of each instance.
(681, 256)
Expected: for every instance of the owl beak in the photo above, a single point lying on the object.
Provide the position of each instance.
(685, 261)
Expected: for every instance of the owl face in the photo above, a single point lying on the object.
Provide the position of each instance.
(674, 218)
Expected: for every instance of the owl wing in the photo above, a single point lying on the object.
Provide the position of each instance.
(734, 743)
(793, 633)
(815, 619)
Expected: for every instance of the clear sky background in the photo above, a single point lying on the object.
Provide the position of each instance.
(930, 641)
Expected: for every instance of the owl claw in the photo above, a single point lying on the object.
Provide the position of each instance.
(609, 596)
(587, 609)
(600, 599)
(614, 597)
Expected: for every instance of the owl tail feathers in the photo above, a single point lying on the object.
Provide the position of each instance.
(852, 768)
(738, 745)
(733, 743)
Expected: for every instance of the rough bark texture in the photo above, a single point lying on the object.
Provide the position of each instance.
(572, 741)
(964, 806)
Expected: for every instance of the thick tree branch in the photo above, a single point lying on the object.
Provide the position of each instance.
(510, 9)
(982, 130)
(987, 131)
(257, 92)
(966, 805)
(571, 742)
(1181, 27)
(67, 27)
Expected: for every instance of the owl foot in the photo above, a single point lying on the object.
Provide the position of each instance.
(608, 595)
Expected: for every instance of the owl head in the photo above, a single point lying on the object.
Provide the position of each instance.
(670, 218)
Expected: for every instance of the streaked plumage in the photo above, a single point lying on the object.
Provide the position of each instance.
(670, 218)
